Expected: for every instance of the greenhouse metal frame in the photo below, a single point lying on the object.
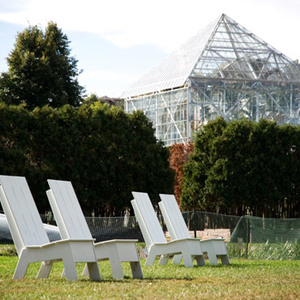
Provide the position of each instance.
(225, 70)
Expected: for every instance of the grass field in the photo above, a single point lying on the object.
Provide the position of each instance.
(243, 279)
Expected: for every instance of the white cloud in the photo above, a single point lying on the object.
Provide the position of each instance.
(125, 23)
(165, 23)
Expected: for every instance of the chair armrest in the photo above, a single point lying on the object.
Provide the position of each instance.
(117, 241)
(59, 242)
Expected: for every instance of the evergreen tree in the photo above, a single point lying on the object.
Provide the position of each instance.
(41, 70)
(103, 151)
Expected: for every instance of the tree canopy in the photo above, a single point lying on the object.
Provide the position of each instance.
(242, 166)
(41, 70)
(103, 151)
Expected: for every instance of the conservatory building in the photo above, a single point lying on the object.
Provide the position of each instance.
(225, 70)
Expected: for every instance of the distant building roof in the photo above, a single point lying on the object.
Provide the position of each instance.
(225, 50)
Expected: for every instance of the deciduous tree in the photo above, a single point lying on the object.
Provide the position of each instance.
(179, 154)
(243, 165)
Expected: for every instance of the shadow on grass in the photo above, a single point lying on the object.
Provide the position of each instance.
(156, 272)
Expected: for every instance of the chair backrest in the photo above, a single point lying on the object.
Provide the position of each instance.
(23, 218)
(67, 211)
(147, 219)
(173, 217)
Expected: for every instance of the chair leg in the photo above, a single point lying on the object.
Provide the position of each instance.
(69, 269)
(93, 271)
(200, 260)
(45, 269)
(136, 270)
(21, 268)
(177, 259)
(187, 259)
(211, 253)
(116, 268)
(212, 257)
(164, 259)
(150, 259)
(225, 259)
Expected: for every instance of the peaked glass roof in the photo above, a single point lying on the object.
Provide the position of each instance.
(224, 50)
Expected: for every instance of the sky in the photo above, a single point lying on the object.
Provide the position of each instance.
(118, 41)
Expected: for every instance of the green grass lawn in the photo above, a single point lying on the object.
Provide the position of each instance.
(243, 279)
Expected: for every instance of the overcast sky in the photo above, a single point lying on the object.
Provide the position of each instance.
(117, 41)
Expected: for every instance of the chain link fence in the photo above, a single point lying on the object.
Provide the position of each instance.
(247, 236)
(208, 222)
(235, 229)
(266, 230)
(107, 228)
(246, 229)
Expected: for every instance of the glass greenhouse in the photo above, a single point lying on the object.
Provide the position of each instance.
(225, 70)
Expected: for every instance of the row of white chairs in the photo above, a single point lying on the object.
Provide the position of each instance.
(77, 244)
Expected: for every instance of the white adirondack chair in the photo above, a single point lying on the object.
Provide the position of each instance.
(178, 230)
(155, 239)
(30, 237)
(72, 224)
